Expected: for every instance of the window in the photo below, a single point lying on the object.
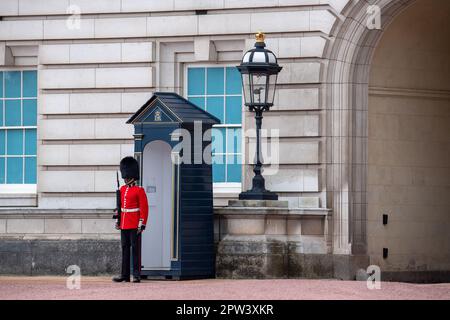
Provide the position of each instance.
(18, 123)
(218, 91)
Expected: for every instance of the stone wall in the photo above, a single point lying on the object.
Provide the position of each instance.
(92, 78)
(267, 239)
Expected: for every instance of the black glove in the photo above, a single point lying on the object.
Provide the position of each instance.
(141, 227)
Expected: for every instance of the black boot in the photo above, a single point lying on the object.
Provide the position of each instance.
(121, 279)
(136, 279)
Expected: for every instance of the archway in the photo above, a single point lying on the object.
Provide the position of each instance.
(349, 53)
(346, 95)
(409, 142)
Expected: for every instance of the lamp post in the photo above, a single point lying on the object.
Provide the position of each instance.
(259, 71)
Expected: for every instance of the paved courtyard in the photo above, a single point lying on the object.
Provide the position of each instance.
(103, 288)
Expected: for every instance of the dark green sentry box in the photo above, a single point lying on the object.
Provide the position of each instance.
(178, 242)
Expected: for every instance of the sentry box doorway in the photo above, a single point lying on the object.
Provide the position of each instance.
(178, 242)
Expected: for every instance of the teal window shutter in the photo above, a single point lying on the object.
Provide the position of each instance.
(214, 105)
(30, 170)
(18, 127)
(216, 83)
(233, 109)
(29, 112)
(13, 113)
(217, 90)
(196, 81)
(233, 84)
(13, 81)
(14, 170)
(14, 142)
(30, 84)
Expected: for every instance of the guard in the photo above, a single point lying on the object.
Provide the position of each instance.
(132, 218)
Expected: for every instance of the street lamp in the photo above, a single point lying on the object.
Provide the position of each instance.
(259, 70)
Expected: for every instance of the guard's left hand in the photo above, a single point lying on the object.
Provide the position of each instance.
(141, 226)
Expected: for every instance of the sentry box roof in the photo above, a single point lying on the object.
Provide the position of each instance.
(169, 107)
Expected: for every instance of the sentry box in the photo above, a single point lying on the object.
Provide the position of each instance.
(172, 143)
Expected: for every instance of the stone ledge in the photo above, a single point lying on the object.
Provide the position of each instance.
(56, 224)
(60, 236)
(258, 204)
(17, 195)
(33, 213)
(278, 220)
(252, 211)
(311, 212)
(18, 200)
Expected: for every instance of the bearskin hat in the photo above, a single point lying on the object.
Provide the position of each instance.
(129, 168)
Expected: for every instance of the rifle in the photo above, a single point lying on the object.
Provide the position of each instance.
(118, 204)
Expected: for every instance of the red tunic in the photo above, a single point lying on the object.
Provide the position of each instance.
(134, 207)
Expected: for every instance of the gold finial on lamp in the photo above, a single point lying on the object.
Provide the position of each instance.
(260, 36)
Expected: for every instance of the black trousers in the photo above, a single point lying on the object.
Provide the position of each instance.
(130, 238)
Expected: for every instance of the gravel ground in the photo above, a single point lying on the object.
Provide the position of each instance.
(95, 288)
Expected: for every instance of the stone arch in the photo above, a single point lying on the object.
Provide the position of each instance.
(349, 54)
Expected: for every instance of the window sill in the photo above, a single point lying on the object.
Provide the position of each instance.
(18, 195)
(227, 187)
(18, 189)
(18, 200)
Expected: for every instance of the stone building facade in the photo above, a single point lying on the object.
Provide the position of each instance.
(362, 113)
